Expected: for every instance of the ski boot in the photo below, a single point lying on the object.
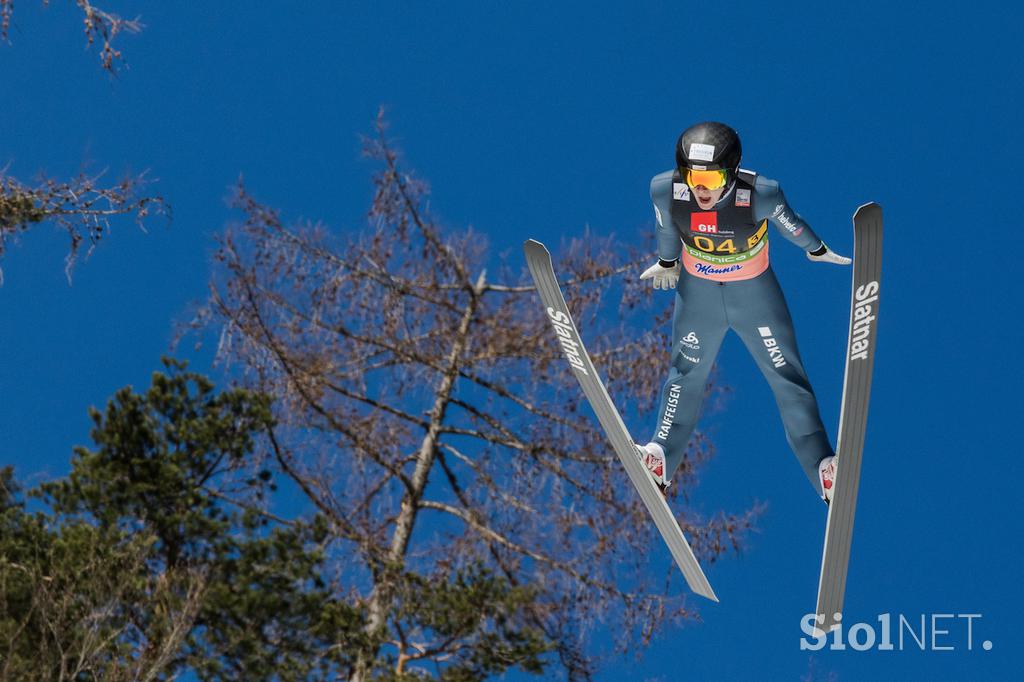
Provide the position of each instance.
(827, 475)
(652, 456)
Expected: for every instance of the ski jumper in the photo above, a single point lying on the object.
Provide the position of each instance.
(727, 283)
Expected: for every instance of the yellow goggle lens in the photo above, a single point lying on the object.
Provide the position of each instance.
(711, 179)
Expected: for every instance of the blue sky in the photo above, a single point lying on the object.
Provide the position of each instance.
(532, 120)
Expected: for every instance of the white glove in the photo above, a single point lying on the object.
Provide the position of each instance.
(829, 256)
(664, 278)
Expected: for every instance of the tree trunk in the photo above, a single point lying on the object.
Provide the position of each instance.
(404, 523)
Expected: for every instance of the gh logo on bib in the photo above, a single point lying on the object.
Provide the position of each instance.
(704, 222)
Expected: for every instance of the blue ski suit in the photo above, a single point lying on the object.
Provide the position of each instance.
(728, 283)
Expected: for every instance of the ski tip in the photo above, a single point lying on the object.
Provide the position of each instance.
(869, 209)
(535, 252)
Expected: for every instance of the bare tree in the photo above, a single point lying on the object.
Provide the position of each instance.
(424, 408)
(82, 207)
(99, 26)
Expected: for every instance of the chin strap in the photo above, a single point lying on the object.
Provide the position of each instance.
(729, 186)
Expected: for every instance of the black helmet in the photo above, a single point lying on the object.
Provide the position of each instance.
(709, 146)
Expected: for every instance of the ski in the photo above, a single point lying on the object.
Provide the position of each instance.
(860, 356)
(539, 261)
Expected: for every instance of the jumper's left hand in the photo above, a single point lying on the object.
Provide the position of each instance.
(827, 255)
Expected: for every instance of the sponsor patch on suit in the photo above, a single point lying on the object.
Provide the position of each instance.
(680, 191)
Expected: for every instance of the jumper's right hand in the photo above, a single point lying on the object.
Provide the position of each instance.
(664, 277)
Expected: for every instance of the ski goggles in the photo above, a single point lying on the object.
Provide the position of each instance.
(710, 179)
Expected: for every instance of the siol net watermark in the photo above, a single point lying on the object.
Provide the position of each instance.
(923, 632)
